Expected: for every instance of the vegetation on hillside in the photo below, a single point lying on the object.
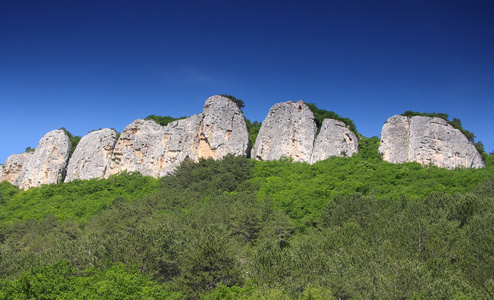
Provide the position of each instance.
(344, 228)
(163, 120)
(253, 128)
(74, 140)
(321, 114)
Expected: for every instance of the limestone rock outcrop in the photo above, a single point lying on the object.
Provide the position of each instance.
(157, 150)
(138, 148)
(13, 167)
(429, 141)
(48, 162)
(334, 139)
(289, 130)
(91, 158)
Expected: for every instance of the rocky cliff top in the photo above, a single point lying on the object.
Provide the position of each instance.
(429, 141)
(289, 130)
(92, 155)
(48, 162)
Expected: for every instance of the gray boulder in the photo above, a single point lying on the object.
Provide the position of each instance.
(157, 150)
(13, 167)
(138, 149)
(91, 158)
(334, 139)
(289, 130)
(428, 141)
(48, 162)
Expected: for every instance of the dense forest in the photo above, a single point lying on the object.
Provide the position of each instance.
(344, 228)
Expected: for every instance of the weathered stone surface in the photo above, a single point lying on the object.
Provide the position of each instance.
(1, 172)
(222, 130)
(13, 167)
(156, 150)
(289, 130)
(48, 162)
(334, 139)
(91, 158)
(137, 148)
(429, 141)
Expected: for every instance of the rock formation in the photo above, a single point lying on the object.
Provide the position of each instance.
(156, 150)
(429, 141)
(138, 148)
(289, 130)
(334, 139)
(48, 162)
(91, 158)
(13, 167)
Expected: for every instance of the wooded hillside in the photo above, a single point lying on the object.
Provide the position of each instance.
(353, 227)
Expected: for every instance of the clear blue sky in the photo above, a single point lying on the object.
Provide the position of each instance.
(85, 65)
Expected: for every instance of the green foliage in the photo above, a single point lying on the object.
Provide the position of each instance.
(346, 228)
(253, 129)
(7, 191)
(321, 114)
(29, 149)
(209, 176)
(62, 281)
(301, 190)
(163, 120)
(74, 140)
(76, 200)
(239, 102)
(368, 148)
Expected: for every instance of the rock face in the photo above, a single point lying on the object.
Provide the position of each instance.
(334, 139)
(429, 141)
(91, 158)
(138, 148)
(47, 165)
(289, 130)
(157, 150)
(13, 167)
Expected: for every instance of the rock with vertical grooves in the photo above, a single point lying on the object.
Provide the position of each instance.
(13, 167)
(1, 172)
(91, 158)
(222, 130)
(428, 141)
(49, 161)
(157, 150)
(138, 149)
(289, 130)
(334, 139)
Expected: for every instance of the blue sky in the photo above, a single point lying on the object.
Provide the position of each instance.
(85, 65)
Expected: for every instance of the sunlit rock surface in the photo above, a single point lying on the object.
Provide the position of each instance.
(428, 141)
(48, 162)
(91, 158)
(289, 130)
(334, 139)
(11, 171)
(157, 150)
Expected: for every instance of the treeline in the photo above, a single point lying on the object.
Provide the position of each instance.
(344, 228)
